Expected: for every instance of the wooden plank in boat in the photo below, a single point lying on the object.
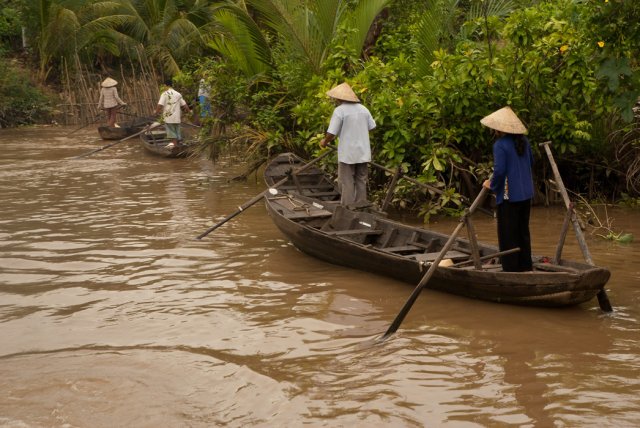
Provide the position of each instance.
(488, 267)
(306, 186)
(554, 268)
(316, 194)
(308, 215)
(354, 232)
(429, 257)
(401, 249)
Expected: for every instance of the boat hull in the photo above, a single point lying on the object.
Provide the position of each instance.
(125, 130)
(370, 242)
(551, 289)
(157, 143)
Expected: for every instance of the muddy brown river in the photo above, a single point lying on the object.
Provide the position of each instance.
(113, 315)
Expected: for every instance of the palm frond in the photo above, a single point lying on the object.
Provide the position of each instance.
(300, 25)
(360, 20)
(328, 15)
(242, 43)
(430, 30)
(481, 8)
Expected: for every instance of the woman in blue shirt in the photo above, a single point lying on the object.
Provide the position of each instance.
(512, 184)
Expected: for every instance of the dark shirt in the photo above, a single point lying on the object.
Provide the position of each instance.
(510, 168)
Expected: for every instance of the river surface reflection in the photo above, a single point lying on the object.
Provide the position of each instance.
(111, 314)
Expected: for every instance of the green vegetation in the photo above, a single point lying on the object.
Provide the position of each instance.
(20, 101)
(427, 70)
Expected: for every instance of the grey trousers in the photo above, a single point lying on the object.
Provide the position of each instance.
(352, 179)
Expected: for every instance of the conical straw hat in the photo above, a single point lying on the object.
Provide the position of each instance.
(108, 82)
(343, 92)
(504, 120)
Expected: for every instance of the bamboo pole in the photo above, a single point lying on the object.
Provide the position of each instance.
(603, 299)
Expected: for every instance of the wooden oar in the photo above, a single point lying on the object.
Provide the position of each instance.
(434, 265)
(603, 299)
(154, 120)
(84, 126)
(487, 257)
(148, 128)
(258, 197)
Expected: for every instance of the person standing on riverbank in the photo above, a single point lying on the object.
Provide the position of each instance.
(204, 94)
(109, 100)
(350, 123)
(512, 184)
(170, 104)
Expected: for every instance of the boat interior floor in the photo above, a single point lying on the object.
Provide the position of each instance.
(378, 233)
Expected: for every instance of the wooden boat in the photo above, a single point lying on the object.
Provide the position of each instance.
(306, 210)
(124, 130)
(156, 142)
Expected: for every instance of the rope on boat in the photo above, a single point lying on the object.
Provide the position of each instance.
(297, 206)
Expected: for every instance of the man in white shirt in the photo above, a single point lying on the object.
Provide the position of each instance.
(171, 104)
(350, 123)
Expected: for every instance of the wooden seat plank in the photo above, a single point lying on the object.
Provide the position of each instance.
(354, 232)
(301, 215)
(429, 257)
(400, 249)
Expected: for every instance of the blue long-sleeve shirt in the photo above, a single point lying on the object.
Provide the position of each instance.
(511, 170)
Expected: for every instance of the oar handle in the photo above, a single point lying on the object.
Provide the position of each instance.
(240, 209)
(258, 197)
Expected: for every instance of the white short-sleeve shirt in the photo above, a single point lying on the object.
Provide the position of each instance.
(171, 100)
(351, 123)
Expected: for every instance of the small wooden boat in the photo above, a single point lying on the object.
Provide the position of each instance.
(124, 130)
(156, 142)
(306, 210)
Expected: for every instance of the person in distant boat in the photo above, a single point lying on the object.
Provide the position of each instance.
(204, 93)
(110, 101)
(350, 123)
(512, 184)
(170, 105)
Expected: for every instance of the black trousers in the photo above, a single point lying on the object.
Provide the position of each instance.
(513, 232)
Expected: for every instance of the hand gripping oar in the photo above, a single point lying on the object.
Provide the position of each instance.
(148, 128)
(434, 265)
(258, 197)
(603, 299)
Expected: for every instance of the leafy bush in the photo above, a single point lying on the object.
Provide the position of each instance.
(21, 102)
(553, 62)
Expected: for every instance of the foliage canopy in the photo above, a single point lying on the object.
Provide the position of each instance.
(428, 71)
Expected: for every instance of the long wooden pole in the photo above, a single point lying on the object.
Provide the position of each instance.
(434, 265)
(148, 128)
(259, 196)
(84, 126)
(151, 119)
(487, 257)
(603, 299)
(423, 185)
(392, 187)
(412, 180)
